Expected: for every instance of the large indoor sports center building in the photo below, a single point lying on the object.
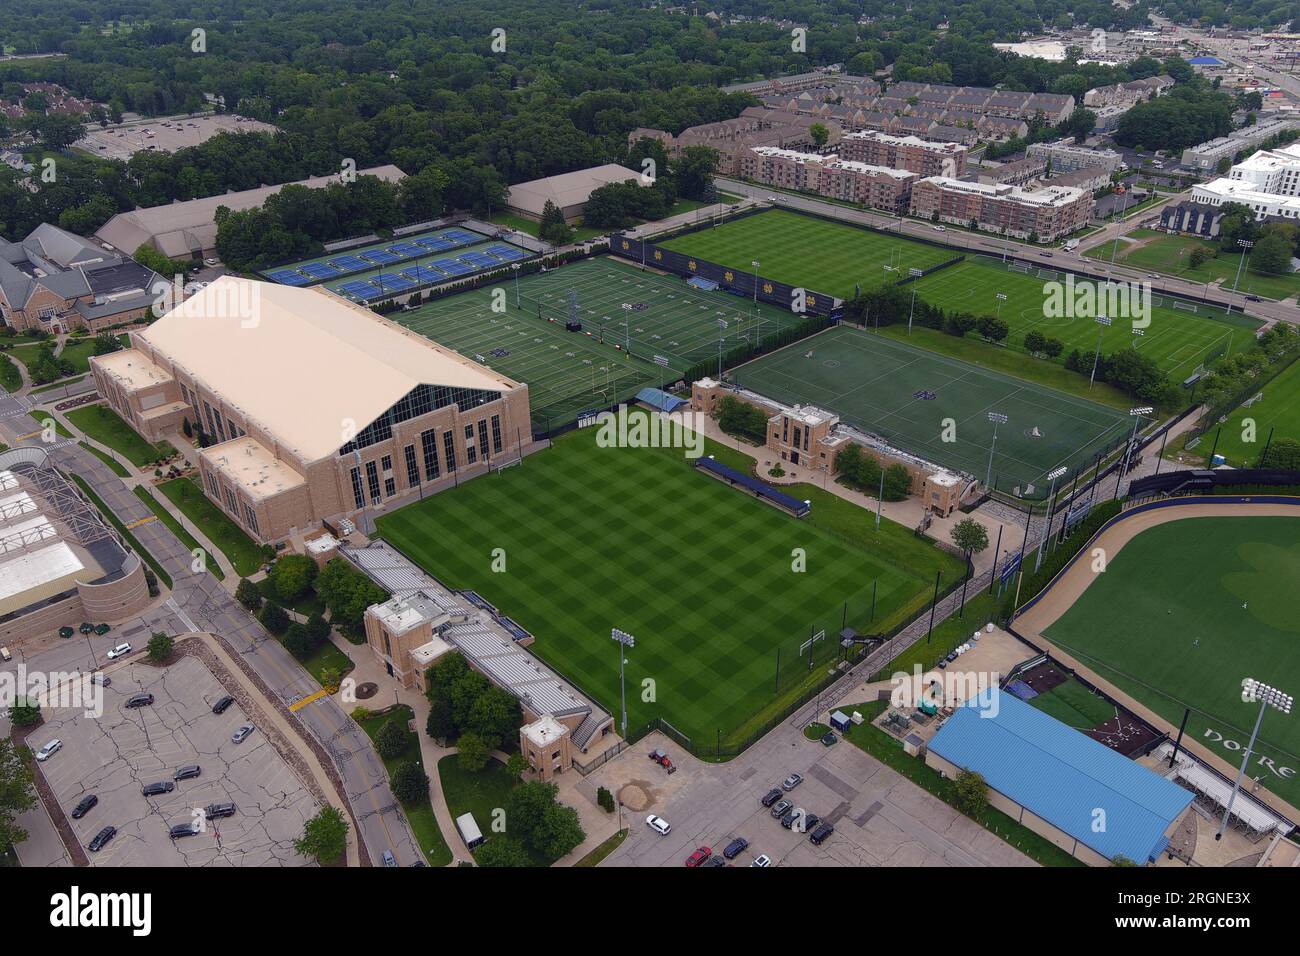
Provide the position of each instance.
(316, 409)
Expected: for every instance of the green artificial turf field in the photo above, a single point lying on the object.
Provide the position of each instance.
(1177, 340)
(811, 253)
(700, 573)
(1074, 705)
(1277, 410)
(1186, 611)
(877, 384)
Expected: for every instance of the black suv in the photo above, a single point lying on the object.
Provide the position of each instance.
(140, 700)
(85, 806)
(735, 848)
(188, 772)
(216, 810)
(819, 835)
(182, 830)
(101, 839)
(810, 821)
(222, 705)
(154, 789)
(771, 797)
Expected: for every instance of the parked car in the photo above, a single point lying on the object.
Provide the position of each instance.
(101, 839)
(240, 735)
(658, 824)
(1253, 298)
(762, 860)
(770, 797)
(735, 848)
(715, 861)
(779, 808)
(792, 781)
(102, 679)
(661, 758)
(389, 859)
(829, 739)
(939, 228)
(188, 772)
(5, 655)
(159, 788)
(140, 700)
(86, 804)
(221, 706)
(819, 835)
(215, 811)
(808, 823)
(181, 830)
(120, 651)
(49, 750)
(699, 857)
(102, 629)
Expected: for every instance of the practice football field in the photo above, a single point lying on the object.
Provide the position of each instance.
(1177, 340)
(1184, 612)
(1277, 410)
(700, 573)
(908, 395)
(809, 252)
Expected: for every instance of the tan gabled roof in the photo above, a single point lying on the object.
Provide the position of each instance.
(307, 366)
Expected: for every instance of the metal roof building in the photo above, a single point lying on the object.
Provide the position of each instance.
(1085, 797)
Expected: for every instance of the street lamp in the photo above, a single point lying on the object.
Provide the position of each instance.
(1137, 334)
(1253, 691)
(997, 418)
(515, 267)
(1137, 414)
(1104, 322)
(624, 640)
(1247, 245)
(1051, 495)
(915, 274)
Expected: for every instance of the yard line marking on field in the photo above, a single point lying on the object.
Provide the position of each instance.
(310, 698)
(136, 524)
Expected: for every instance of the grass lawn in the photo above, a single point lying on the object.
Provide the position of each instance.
(105, 426)
(1183, 613)
(597, 856)
(703, 576)
(1171, 255)
(178, 529)
(42, 414)
(115, 466)
(307, 604)
(889, 751)
(1278, 410)
(482, 793)
(324, 658)
(817, 254)
(424, 826)
(1074, 705)
(530, 226)
(77, 350)
(10, 378)
(242, 551)
(127, 536)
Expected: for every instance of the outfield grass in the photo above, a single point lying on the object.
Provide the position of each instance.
(424, 825)
(701, 574)
(1277, 410)
(1176, 340)
(1186, 611)
(105, 426)
(241, 550)
(1171, 255)
(812, 253)
(178, 529)
(878, 384)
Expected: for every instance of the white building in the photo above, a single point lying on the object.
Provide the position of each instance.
(1268, 182)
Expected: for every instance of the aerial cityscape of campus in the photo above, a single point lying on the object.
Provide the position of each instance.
(879, 426)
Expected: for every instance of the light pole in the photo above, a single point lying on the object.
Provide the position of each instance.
(515, 266)
(624, 641)
(1051, 495)
(915, 274)
(1253, 691)
(1137, 334)
(1137, 414)
(722, 327)
(1001, 297)
(754, 263)
(1104, 322)
(997, 418)
(1247, 245)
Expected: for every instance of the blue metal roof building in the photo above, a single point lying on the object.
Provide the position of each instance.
(1205, 61)
(1063, 777)
(660, 400)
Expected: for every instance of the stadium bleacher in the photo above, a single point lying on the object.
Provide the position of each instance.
(762, 490)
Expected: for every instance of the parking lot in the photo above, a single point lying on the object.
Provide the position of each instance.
(880, 819)
(115, 755)
(169, 133)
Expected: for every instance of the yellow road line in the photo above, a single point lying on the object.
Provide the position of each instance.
(309, 699)
(30, 435)
(136, 524)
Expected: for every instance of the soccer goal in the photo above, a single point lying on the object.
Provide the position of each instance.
(1050, 275)
(1022, 267)
(1185, 306)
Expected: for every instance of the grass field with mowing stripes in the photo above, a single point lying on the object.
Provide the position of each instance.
(1177, 340)
(817, 254)
(877, 384)
(1183, 613)
(1277, 408)
(700, 573)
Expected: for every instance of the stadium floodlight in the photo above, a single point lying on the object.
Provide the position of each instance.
(1103, 323)
(754, 263)
(1053, 476)
(1247, 245)
(915, 274)
(997, 418)
(624, 640)
(1001, 297)
(1266, 695)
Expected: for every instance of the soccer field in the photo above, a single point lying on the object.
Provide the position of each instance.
(810, 253)
(1184, 612)
(1277, 409)
(1177, 340)
(698, 572)
(880, 385)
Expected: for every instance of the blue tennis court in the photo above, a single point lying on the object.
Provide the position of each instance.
(437, 243)
(407, 249)
(288, 277)
(381, 257)
(477, 259)
(391, 282)
(350, 264)
(453, 266)
(463, 236)
(359, 289)
(319, 270)
(509, 253)
(422, 274)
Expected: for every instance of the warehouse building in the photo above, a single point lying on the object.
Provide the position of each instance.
(316, 409)
(569, 191)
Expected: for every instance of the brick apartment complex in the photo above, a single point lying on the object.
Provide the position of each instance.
(756, 126)
(1066, 157)
(1016, 173)
(56, 282)
(876, 186)
(904, 152)
(318, 408)
(1128, 95)
(1049, 212)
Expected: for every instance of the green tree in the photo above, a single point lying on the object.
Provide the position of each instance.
(25, 712)
(502, 852)
(324, 837)
(819, 133)
(160, 647)
(971, 536)
(410, 783)
(390, 742)
(898, 483)
(605, 800)
(17, 795)
(439, 725)
(473, 753)
(274, 618)
(971, 793)
(292, 575)
(1271, 255)
(516, 765)
(553, 228)
(494, 716)
(540, 822)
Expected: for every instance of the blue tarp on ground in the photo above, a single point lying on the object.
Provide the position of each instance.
(660, 400)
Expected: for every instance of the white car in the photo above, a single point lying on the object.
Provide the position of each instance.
(762, 860)
(120, 651)
(658, 824)
(49, 750)
(940, 228)
(240, 735)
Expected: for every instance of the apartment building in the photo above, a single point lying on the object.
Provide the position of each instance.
(756, 126)
(876, 186)
(1017, 172)
(1129, 94)
(1065, 156)
(1048, 212)
(1207, 155)
(909, 153)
